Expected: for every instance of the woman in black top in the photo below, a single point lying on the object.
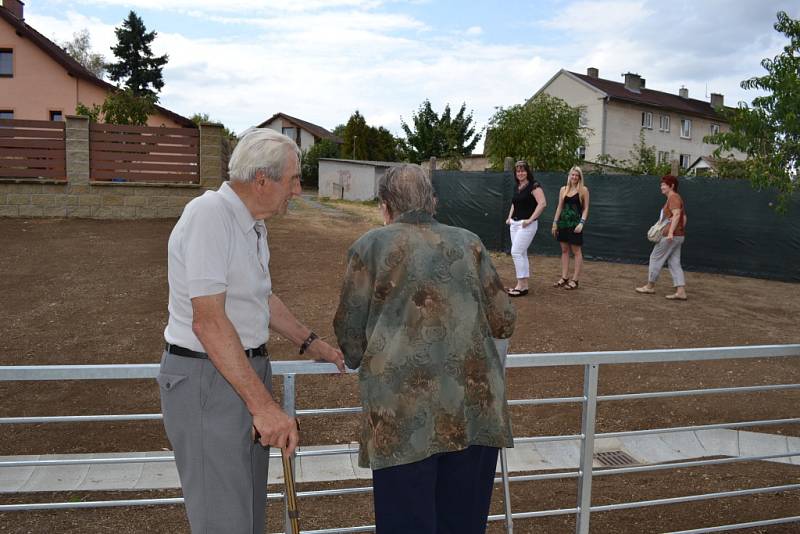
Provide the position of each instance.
(571, 215)
(526, 206)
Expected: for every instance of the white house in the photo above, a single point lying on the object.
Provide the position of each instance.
(304, 133)
(617, 111)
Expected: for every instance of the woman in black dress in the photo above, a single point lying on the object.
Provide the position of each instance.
(571, 215)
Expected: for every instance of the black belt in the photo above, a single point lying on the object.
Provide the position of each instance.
(189, 353)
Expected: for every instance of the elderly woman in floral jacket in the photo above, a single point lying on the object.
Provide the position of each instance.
(420, 304)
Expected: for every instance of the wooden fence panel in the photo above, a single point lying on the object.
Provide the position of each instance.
(144, 154)
(21, 123)
(108, 155)
(136, 130)
(32, 149)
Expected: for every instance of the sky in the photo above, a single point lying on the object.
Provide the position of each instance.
(241, 61)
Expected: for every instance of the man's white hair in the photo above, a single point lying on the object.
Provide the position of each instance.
(261, 149)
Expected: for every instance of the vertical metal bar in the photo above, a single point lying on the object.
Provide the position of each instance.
(506, 492)
(291, 410)
(502, 350)
(587, 448)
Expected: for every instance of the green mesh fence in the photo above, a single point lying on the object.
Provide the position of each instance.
(731, 227)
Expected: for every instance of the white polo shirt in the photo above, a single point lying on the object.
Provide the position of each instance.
(215, 248)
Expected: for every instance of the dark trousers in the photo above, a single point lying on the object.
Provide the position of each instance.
(447, 493)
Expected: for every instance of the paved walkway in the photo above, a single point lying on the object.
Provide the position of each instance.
(80, 475)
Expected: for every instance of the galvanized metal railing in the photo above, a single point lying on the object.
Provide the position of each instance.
(591, 361)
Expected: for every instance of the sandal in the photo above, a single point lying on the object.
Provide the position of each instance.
(517, 292)
(572, 284)
(645, 290)
(561, 282)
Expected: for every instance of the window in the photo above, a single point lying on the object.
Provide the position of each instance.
(291, 133)
(6, 62)
(583, 121)
(56, 116)
(647, 119)
(663, 123)
(663, 157)
(6, 114)
(686, 128)
(714, 129)
(581, 153)
(684, 161)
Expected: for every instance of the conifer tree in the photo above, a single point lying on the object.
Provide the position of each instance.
(137, 68)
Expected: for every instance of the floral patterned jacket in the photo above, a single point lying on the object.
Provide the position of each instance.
(420, 304)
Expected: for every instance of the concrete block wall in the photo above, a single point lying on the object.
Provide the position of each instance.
(80, 197)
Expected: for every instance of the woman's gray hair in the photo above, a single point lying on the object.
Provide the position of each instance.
(260, 149)
(406, 188)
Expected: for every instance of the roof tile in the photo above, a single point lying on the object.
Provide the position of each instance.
(649, 97)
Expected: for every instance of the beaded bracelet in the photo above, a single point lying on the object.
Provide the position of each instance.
(307, 343)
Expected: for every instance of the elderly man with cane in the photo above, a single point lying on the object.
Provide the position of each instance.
(215, 376)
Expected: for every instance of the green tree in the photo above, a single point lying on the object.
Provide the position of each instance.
(136, 66)
(365, 142)
(446, 136)
(120, 107)
(309, 164)
(92, 112)
(545, 131)
(731, 168)
(80, 49)
(384, 146)
(200, 118)
(768, 131)
(355, 136)
(643, 159)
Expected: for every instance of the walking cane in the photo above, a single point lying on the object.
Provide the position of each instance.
(291, 494)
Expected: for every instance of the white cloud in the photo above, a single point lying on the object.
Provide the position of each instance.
(707, 46)
(322, 59)
(608, 18)
(62, 29)
(239, 6)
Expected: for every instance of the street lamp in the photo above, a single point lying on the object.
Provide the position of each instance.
(354, 146)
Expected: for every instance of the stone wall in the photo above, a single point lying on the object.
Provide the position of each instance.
(79, 196)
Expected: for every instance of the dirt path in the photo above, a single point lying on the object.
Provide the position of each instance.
(82, 291)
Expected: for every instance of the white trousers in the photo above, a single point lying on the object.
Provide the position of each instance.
(521, 239)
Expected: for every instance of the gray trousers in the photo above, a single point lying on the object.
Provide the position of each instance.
(669, 253)
(223, 473)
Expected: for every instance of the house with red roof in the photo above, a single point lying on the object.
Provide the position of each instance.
(616, 112)
(304, 133)
(40, 81)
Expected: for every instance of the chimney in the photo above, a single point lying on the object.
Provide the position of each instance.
(641, 83)
(633, 82)
(592, 72)
(14, 7)
(717, 100)
(683, 92)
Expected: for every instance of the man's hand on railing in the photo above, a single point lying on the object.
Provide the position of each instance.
(321, 351)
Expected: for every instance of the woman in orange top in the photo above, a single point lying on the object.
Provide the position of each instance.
(668, 250)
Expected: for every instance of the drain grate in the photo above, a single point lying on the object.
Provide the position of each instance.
(615, 459)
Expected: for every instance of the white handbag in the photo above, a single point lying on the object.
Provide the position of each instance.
(654, 234)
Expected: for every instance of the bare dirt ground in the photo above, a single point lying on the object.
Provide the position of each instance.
(82, 291)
